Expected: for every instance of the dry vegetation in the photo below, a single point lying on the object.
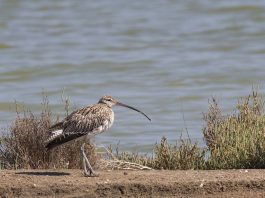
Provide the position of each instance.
(232, 141)
(23, 145)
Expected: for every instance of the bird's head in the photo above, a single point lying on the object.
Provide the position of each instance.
(110, 101)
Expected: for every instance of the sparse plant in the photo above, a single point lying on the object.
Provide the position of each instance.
(183, 155)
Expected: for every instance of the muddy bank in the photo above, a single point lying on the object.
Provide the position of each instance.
(71, 183)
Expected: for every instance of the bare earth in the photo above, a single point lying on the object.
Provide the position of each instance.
(71, 183)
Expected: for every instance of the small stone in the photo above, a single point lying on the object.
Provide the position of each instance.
(125, 173)
(202, 183)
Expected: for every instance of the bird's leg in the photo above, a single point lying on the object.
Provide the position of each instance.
(83, 160)
(86, 164)
(84, 167)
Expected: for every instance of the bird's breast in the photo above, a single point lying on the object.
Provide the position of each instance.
(108, 122)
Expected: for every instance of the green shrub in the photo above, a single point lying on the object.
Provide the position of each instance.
(236, 140)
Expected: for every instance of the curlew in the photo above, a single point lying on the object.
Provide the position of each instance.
(86, 122)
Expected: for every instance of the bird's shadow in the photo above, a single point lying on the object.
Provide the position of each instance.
(43, 173)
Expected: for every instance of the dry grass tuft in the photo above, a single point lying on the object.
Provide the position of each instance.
(111, 162)
(23, 146)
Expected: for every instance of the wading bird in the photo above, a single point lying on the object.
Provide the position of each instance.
(86, 122)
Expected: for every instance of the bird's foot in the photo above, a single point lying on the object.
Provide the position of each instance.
(91, 174)
(88, 170)
(94, 174)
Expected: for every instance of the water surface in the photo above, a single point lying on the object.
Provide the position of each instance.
(166, 57)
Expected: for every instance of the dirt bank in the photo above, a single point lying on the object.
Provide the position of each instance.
(71, 183)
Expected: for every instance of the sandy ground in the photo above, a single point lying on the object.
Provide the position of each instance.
(71, 183)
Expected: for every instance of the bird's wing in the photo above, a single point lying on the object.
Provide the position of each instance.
(86, 120)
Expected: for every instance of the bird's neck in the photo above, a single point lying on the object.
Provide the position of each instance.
(105, 104)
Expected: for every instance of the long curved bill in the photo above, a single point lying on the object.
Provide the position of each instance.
(124, 105)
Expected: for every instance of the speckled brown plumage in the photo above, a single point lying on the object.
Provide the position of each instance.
(91, 120)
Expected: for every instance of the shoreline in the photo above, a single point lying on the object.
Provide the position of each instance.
(123, 183)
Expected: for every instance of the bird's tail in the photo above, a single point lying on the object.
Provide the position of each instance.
(58, 138)
(55, 131)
